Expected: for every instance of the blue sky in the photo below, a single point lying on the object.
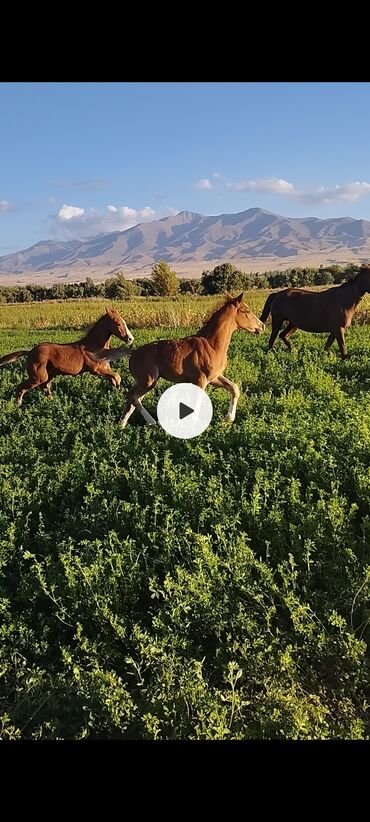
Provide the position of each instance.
(79, 159)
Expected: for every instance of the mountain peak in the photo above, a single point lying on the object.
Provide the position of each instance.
(188, 215)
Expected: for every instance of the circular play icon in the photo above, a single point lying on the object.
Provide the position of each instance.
(184, 410)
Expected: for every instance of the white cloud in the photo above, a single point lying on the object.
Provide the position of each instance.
(68, 212)
(73, 222)
(270, 184)
(125, 214)
(349, 192)
(203, 184)
(6, 206)
(318, 195)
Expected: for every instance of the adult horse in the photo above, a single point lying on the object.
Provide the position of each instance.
(46, 360)
(199, 359)
(321, 311)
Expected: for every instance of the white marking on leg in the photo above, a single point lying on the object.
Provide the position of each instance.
(232, 388)
(124, 419)
(232, 409)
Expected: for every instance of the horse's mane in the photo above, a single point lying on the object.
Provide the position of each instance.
(93, 325)
(211, 317)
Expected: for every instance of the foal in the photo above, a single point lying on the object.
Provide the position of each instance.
(46, 360)
(199, 359)
(330, 310)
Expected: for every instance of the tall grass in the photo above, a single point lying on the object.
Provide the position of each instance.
(139, 312)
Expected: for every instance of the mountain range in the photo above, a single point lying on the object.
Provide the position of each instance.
(252, 240)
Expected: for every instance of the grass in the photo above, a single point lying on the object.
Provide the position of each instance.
(139, 312)
(215, 588)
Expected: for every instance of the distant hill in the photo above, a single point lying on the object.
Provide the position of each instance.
(254, 240)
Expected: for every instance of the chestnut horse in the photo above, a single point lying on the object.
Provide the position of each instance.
(321, 311)
(199, 359)
(46, 360)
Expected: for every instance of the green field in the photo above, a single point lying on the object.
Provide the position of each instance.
(215, 588)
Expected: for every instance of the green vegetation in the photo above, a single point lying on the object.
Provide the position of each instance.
(215, 588)
(164, 282)
(139, 312)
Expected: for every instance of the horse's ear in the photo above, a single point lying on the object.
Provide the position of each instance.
(239, 300)
(109, 311)
(229, 296)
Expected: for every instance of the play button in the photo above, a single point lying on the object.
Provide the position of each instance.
(184, 410)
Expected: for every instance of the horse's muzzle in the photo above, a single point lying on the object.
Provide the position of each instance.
(127, 338)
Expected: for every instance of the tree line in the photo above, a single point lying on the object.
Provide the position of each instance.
(165, 282)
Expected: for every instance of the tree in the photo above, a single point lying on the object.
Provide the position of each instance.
(91, 289)
(224, 277)
(165, 281)
(118, 288)
(145, 286)
(279, 279)
(323, 277)
(188, 286)
(24, 295)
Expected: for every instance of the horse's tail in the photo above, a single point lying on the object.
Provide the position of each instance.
(112, 354)
(267, 308)
(14, 356)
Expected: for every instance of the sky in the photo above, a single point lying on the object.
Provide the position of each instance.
(81, 159)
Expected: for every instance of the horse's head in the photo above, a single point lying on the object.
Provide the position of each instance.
(244, 317)
(118, 327)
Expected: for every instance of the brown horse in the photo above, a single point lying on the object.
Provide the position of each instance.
(199, 359)
(46, 360)
(321, 311)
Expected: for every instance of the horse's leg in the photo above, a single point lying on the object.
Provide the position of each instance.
(342, 345)
(107, 374)
(288, 332)
(232, 388)
(23, 387)
(134, 401)
(37, 376)
(276, 325)
(202, 381)
(128, 409)
(329, 341)
(46, 387)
